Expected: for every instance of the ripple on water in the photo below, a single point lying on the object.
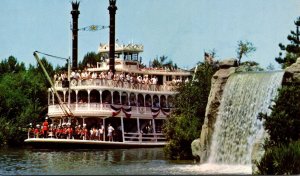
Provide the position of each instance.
(104, 162)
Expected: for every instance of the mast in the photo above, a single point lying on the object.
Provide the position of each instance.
(75, 14)
(112, 20)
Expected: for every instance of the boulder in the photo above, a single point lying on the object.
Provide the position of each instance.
(227, 63)
(292, 73)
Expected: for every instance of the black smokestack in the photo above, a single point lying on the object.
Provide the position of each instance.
(75, 14)
(112, 20)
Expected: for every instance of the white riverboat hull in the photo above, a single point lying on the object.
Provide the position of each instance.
(82, 144)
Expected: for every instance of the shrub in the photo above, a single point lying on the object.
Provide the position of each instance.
(281, 160)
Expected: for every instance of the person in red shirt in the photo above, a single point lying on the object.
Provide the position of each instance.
(58, 132)
(84, 132)
(64, 131)
(69, 131)
(45, 128)
(37, 131)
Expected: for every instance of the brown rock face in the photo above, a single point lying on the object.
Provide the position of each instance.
(201, 147)
(292, 73)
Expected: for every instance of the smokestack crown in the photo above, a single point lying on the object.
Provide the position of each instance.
(75, 5)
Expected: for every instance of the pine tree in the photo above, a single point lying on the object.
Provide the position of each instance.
(292, 50)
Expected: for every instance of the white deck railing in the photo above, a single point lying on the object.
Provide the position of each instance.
(97, 108)
(144, 137)
(117, 84)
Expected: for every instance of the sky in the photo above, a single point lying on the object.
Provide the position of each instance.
(179, 29)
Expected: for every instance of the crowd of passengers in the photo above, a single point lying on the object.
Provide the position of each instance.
(122, 77)
(67, 131)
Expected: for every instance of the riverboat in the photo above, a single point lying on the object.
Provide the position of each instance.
(135, 101)
(115, 103)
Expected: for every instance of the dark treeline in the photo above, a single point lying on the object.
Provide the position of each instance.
(23, 98)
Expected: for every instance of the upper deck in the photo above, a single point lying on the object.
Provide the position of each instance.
(95, 88)
(130, 75)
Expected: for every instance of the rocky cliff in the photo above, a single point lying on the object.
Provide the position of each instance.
(201, 146)
(292, 73)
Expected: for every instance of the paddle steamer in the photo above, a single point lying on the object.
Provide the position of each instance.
(132, 98)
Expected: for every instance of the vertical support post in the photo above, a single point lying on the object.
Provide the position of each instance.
(120, 97)
(48, 97)
(154, 131)
(69, 79)
(104, 129)
(128, 98)
(159, 100)
(89, 98)
(76, 92)
(52, 98)
(152, 101)
(112, 97)
(139, 130)
(122, 125)
(101, 103)
(64, 92)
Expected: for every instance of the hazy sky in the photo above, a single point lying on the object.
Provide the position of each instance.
(179, 29)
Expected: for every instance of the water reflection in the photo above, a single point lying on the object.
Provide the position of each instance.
(117, 161)
(100, 162)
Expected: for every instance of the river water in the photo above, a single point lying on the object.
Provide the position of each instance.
(27, 161)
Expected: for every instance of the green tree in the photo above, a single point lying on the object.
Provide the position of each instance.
(244, 48)
(282, 154)
(292, 50)
(11, 65)
(184, 125)
(23, 99)
(91, 58)
(270, 67)
(249, 66)
(283, 123)
(281, 160)
(162, 63)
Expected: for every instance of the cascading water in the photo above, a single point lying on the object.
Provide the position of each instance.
(237, 126)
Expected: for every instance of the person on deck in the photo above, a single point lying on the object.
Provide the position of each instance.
(84, 132)
(58, 133)
(45, 127)
(37, 131)
(64, 131)
(30, 130)
(101, 131)
(69, 131)
(110, 130)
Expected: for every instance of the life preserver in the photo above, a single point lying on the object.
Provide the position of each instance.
(74, 82)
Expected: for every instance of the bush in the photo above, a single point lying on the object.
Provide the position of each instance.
(284, 121)
(281, 160)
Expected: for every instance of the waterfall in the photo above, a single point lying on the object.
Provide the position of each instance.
(237, 127)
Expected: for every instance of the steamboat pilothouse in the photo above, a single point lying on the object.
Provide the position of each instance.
(129, 97)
